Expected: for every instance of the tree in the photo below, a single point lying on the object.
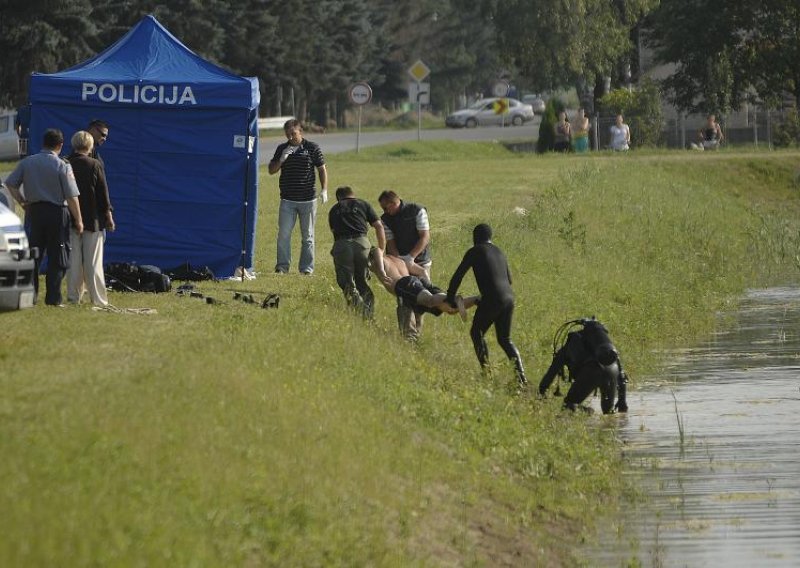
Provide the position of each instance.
(642, 107)
(560, 44)
(728, 52)
(43, 36)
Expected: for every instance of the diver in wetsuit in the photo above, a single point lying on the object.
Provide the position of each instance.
(496, 306)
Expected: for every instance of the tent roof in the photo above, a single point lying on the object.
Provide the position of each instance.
(147, 55)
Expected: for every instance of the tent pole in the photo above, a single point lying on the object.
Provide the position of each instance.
(246, 194)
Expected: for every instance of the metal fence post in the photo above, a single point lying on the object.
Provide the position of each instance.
(596, 132)
(755, 125)
(769, 129)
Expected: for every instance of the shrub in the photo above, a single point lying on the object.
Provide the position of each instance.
(641, 109)
(787, 133)
(547, 134)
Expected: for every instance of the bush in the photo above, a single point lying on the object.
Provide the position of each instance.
(642, 109)
(787, 133)
(547, 133)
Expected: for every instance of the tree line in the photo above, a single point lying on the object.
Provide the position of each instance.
(307, 52)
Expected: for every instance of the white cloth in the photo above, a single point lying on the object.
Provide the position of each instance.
(619, 137)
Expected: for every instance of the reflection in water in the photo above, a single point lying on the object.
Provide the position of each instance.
(716, 446)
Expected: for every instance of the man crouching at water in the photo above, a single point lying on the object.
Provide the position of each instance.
(407, 281)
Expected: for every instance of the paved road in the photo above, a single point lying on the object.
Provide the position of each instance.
(343, 142)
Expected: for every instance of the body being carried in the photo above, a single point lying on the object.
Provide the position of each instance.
(407, 281)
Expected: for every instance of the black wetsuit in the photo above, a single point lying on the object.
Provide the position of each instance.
(496, 306)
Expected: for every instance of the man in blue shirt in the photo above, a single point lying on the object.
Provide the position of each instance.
(51, 195)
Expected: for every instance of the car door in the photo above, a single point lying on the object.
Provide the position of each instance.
(487, 115)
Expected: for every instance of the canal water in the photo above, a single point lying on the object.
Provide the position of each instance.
(714, 444)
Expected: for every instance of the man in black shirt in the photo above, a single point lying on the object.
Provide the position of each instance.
(296, 159)
(496, 306)
(99, 131)
(349, 220)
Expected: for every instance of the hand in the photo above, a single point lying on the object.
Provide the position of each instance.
(287, 152)
(110, 225)
(451, 301)
(387, 280)
(323, 196)
(79, 227)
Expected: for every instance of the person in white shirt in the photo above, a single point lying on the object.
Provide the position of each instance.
(620, 135)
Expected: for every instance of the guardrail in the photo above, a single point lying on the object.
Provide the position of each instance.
(273, 122)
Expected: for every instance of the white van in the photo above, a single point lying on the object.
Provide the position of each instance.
(9, 141)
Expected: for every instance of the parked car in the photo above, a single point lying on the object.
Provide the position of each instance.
(16, 263)
(536, 101)
(485, 112)
(9, 148)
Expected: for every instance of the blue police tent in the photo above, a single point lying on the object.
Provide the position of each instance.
(181, 156)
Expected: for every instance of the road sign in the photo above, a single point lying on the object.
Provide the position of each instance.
(500, 106)
(500, 89)
(419, 71)
(421, 90)
(360, 93)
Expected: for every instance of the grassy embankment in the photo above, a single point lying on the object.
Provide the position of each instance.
(215, 435)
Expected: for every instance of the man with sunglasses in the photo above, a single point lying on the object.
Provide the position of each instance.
(99, 131)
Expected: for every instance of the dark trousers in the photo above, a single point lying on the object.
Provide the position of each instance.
(350, 261)
(500, 316)
(49, 232)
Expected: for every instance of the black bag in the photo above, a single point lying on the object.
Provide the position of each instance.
(186, 272)
(127, 277)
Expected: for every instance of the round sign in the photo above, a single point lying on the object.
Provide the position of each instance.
(360, 93)
(500, 89)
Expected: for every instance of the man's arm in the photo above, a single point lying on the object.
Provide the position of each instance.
(281, 153)
(15, 193)
(458, 276)
(422, 242)
(380, 233)
(415, 269)
(323, 177)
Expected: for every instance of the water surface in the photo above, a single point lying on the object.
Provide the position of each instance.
(714, 442)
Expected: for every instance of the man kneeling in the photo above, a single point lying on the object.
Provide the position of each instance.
(407, 281)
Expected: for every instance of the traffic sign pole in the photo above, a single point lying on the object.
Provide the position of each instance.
(360, 94)
(419, 71)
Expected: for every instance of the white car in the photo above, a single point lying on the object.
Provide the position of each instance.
(493, 111)
(9, 141)
(16, 263)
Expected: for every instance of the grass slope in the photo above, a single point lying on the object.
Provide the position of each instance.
(212, 435)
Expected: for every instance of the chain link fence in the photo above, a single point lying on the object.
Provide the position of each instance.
(756, 127)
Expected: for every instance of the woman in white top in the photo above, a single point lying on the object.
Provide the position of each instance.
(620, 135)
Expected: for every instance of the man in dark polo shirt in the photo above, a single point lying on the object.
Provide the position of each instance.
(407, 236)
(349, 220)
(296, 159)
(51, 194)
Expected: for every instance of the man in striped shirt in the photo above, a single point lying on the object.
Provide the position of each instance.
(296, 159)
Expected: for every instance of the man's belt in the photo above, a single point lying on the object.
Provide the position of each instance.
(350, 236)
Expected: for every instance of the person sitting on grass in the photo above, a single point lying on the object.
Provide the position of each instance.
(407, 281)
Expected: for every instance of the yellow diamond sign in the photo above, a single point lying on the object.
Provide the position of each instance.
(419, 71)
(500, 106)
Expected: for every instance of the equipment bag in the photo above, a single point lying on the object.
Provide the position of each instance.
(127, 277)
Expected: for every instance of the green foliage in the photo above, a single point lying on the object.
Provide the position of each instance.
(228, 435)
(641, 108)
(787, 133)
(39, 35)
(547, 135)
(727, 50)
(558, 44)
